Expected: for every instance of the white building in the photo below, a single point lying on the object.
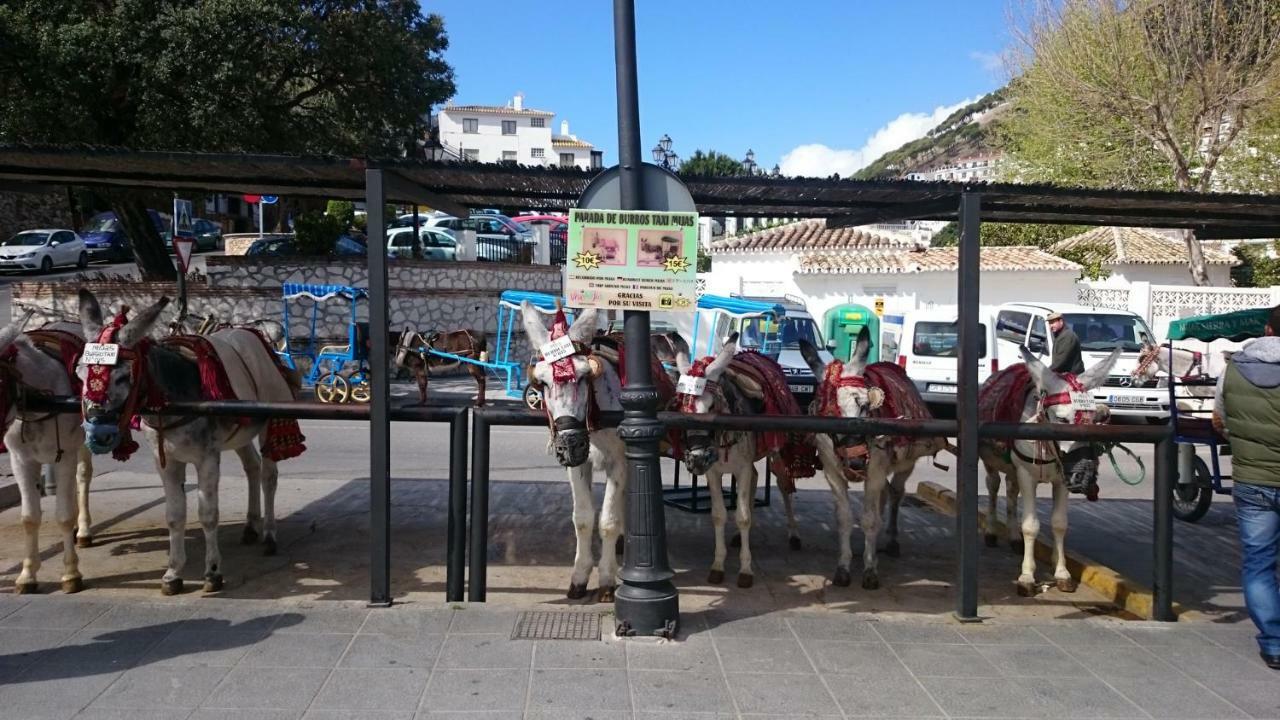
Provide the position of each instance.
(1142, 255)
(827, 268)
(511, 133)
(977, 168)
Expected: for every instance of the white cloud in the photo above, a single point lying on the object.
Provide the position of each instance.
(817, 160)
(991, 62)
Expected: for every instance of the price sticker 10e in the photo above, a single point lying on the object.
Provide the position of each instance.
(557, 349)
(689, 385)
(100, 354)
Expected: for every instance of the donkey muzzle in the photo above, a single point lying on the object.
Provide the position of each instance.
(101, 437)
(853, 453)
(699, 453)
(573, 441)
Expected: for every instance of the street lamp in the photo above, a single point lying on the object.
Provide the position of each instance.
(662, 155)
(749, 163)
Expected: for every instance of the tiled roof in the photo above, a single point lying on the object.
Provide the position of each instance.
(806, 235)
(1138, 245)
(496, 110)
(568, 141)
(944, 259)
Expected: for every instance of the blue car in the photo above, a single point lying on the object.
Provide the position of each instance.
(105, 239)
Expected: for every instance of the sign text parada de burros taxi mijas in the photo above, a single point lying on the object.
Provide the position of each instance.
(632, 260)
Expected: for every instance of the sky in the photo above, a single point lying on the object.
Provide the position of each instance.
(817, 86)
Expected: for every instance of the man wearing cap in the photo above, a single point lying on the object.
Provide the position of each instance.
(1066, 347)
(1247, 406)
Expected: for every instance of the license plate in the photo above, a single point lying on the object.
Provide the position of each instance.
(1130, 401)
(943, 389)
(801, 388)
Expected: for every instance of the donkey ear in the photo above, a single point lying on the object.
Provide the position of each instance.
(723, 358)
(862, 348)
(811, 358)
(584, 326)
(1095, 376)
(681, 350)
(1040, 372)
(533, 327)
(90, 315)
(140, 326)
(10, 332)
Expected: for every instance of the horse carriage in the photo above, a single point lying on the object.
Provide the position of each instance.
(1199, 481)
(339, 373)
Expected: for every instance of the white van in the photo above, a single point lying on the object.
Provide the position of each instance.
(1100, 331)
(928, 347)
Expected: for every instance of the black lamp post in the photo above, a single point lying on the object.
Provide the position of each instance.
(749, 166)
(662, 155)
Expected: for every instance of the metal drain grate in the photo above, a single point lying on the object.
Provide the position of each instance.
(539, 625)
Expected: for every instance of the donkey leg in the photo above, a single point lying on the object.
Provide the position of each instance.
(844, 526)
(423, 377)
(173, 476)
(270, 482)
(65, 473)
(897, 489)
(612, 521)
(207, 501)
(746, 505)
(1011, 490)
(584, 519)
(27, 473)
(793, 533)
(1061, 574)
(252, 464)
(478, 374)
(874, 486)
(993, 495)
(1030, 530)
(84, 475)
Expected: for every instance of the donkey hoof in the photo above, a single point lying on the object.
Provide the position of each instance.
(1017, 546)
(842, 577)
(992, 540)
(1026, 589)
(1067, 585)
(249, 536)
(84, 541)
(745, 580)
(269, 546)
(794, 542)
(620, 546)
(576, 591)
(73, 585)
(171, 587)
(892, 549)
(213, 583)
(29, 588)
(606, 594)
(715, 577)
(870, 580)
(736, 541)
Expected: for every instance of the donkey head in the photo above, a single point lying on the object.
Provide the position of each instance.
(845, 394)
(1149, 362)
(1054, 390)
(10, 332)
(109, 391)
(701, 451)
(565, 384)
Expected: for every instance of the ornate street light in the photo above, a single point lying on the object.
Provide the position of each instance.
(749, 163)
(662, 155)
(665, 143)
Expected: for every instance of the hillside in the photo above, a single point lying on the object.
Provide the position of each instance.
(966, 131)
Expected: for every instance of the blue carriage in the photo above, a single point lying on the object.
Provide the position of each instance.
(338, 373)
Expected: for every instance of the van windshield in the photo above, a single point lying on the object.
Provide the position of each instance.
(100, 223)
(942, 339)
(787, 333)
(1100, 333)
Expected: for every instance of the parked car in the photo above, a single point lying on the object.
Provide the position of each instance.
(43, 250)
(105, 239)
(345, 245)
(498, 237)
(928, 348)
(435, 243)
(208, 235)
(557, 225)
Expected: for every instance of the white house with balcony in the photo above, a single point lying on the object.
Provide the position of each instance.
(511, 133)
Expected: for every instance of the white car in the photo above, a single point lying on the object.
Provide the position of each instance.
(43, 250)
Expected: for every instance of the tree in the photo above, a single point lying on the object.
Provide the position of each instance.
(710, 164)
(1004, 234)
(1257, 267)
(347, 77)
(1145, 94)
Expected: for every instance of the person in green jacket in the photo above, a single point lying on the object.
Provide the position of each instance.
(1247, 409)
(1066, 347)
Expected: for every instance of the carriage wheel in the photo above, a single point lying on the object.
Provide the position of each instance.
(532, 398)
(361, 390)
(1192, 500)
(332, 388)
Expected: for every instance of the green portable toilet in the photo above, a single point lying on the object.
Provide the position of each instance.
(842, 325)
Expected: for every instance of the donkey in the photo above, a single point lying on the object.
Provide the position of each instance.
(144, 377)
(720, 453)
(857, 389)
(574, 390)
(1050, 398)
(411, 354)
(37, 440)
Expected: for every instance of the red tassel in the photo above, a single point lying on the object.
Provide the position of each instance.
(127, 447)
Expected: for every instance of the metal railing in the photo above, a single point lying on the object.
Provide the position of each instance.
(504, 250)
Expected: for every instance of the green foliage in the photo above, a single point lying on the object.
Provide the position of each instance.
(1092, 260)
(344, 211)
(1004, 234)
(704, 261)
(1257, 268)
(710, 164)
(316, 232)
(957, 134)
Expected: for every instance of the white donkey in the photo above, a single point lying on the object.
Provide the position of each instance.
(1050, 398)
(860, 390)
(145, 376)
(34, 440)
(574, 389)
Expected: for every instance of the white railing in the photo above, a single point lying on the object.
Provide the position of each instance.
(1112, 298)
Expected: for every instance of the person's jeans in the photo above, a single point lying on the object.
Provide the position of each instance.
(1258, 516)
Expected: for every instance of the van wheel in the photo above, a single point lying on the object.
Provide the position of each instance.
(83, 261)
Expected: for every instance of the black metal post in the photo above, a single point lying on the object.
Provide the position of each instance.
(967, 413)
(478, 528)
(457, 532)
(1162, 537)
(380, 400)
(646, 600)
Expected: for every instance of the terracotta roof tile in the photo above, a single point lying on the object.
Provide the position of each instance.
(945, 259)
(567, 141)
(1140, 246)
(496, 110)
(806, 235)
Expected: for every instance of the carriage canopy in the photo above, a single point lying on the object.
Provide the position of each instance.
(1234, 326)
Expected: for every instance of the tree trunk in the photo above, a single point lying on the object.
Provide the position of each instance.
(74, 209)
(153, 260)
(1195, 256)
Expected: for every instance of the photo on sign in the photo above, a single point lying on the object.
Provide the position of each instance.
(608, 245)
(657, 246)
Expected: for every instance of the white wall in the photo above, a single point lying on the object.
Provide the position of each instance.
(491, 142)
(1125, 273)
(581, 156)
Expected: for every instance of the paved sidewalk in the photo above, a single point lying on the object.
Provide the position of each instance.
(207, 659)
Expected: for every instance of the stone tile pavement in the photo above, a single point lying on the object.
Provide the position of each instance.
(207, 658)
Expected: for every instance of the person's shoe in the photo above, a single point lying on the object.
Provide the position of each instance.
(1272, 661)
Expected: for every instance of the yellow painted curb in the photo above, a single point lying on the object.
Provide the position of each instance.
(1123, 592)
